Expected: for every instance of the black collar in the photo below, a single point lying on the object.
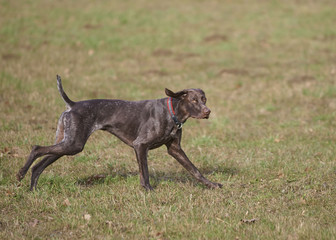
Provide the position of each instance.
(172, 113)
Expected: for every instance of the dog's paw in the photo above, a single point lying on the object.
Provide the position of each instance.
(19, 176)
(148, 188)
(213, 185)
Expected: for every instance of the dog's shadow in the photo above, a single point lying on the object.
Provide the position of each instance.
(156, 177)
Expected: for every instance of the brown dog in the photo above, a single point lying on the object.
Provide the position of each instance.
(143, 125)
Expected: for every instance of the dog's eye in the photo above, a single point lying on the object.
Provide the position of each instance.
(195, 100)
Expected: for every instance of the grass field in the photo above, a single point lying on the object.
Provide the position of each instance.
(269, 71)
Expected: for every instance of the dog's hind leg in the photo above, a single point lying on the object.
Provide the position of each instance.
(32, 157)
(34, 153)
(70, 140)
(39, 167)
(54, 152)
(73, 137)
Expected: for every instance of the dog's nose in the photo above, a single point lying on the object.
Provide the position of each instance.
(207, 111)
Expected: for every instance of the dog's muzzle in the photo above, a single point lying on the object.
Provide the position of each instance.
(206, 113)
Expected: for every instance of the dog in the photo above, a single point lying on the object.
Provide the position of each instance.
(142, 125)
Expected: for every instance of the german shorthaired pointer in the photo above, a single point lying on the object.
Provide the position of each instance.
(143, 125)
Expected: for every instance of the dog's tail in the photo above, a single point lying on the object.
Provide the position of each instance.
(66, 99)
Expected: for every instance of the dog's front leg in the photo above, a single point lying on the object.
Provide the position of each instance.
(141, 152)
(175, 150)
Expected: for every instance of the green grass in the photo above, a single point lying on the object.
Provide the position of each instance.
(268, 69)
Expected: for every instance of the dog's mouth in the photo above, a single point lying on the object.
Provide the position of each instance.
(206, 116)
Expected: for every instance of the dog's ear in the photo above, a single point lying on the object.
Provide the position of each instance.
(179, 94)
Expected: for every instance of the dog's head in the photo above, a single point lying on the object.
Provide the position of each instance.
(192, 101)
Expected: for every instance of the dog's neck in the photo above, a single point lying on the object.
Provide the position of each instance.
(180, 111)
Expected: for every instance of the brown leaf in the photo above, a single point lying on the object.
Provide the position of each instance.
(109, 223)
(281, 174)
(87, 217)
(34, 223)
(91, 52)
(66, 202)
(302, 201)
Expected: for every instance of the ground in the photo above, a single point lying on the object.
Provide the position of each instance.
(268, 69)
